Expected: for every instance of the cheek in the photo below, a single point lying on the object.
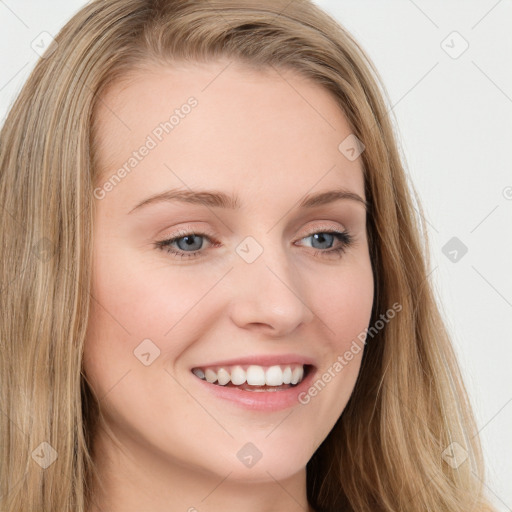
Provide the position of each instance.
(343, 302)
(344, 308)
(132, 302)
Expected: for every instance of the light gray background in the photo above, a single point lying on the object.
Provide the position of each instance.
(455, 126)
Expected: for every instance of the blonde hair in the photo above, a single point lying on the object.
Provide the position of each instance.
(409, 403)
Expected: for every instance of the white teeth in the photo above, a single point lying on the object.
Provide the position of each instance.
(274, 376)
(223, 377)
(238, 376)
(210, 375)
(254, 375)
(297, 374)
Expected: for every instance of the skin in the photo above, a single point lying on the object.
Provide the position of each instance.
(269, 138)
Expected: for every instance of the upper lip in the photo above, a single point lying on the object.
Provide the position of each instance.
(261, 360)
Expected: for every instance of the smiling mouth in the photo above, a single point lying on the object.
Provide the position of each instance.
(254, 377)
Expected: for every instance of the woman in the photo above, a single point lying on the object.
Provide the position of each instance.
(138, 374)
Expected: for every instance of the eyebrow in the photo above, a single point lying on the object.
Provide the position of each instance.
(217, 199)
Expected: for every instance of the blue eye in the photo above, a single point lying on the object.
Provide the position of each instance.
(322, 237)
(183, 243)
(190, 245)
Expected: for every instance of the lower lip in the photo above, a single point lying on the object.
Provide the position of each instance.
(260, 400)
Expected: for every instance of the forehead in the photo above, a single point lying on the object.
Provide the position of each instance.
(269, 129)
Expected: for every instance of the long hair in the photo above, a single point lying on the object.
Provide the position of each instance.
(409, 405)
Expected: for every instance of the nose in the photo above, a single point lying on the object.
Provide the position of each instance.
(267, 295)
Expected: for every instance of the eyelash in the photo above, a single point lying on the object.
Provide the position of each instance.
(344, 237)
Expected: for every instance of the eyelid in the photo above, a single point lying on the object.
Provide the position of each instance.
(186, 231)
(324, 228)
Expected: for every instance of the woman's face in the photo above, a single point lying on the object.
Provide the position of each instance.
(255, 284)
